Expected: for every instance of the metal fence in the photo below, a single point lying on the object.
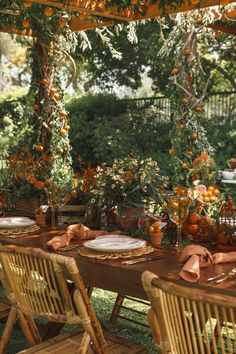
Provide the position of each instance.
(216, 104)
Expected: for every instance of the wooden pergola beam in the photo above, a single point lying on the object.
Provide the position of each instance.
(223, 28)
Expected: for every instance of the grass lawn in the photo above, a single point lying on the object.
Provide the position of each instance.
(103, 302)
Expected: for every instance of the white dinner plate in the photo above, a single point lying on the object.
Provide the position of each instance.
(15, 221)
(114, 243)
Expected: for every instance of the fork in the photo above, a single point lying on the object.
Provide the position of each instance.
(228, 275)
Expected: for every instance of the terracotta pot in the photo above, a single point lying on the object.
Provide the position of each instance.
(156, 238)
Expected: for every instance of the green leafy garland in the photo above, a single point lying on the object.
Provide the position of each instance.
(48, 153)
(191, 151)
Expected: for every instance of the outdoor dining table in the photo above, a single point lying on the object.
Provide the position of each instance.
(114, 276)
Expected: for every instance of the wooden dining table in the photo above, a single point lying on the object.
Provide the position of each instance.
(114, 276)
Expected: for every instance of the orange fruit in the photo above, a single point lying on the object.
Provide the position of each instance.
(195, 2)
(184, 100)
(44, 82)
(171, 152)
(48, 11)
(211, 188)
(39, 148)
(62, 22)
(67, 127)
(181, 126)
(184, 166)
(35, 106)
(206, 199)
(187, 51)
(218, 33)
(193, 218)
(190, 153)
(56, 96)
(53, 90)
(63, 132)
(152, 229)
(210, 194)
(198, 108)
(216, 191)
(175, 71)
(194, 135)
(38, 185)
(213, 198)
(63, 114)
(26, 23)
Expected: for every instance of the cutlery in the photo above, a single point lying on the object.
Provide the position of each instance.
(228, 275)
(217, 276)
(68, 248)
(139, 260)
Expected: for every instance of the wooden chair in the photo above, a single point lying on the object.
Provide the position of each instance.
(121, 304)
(36, 285)
(186, 319)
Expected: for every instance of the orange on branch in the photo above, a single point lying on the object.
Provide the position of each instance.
(171, 152)
(35, 106)
(62, 132)
(194, 136)
(63, 114)
(44, 82)
(62, 22)
(184, 166)
(53, 90)
(26, 23)
(175, 71)
(198, 108)
(48, 11)
(211, 188)
(67, 127)
(181, 125)
(184, 100)
(39, 185)
(187, 52)
(190, 153)
(224, 2)
(216, 192)
(56, 96)
(39, 148)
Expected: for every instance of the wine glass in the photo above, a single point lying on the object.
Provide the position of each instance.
(53, 197)
(178, 209)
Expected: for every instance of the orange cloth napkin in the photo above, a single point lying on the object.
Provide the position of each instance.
(196, 257)
(77, 231)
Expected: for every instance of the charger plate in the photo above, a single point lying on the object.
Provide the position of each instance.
(19, 231)
(114, 244)
(86, 252)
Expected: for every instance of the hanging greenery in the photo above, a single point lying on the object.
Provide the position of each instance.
(46, 162)
(191, 152)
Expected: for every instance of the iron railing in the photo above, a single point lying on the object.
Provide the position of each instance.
(216, 104)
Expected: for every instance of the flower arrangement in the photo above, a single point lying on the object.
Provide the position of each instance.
(131, 182)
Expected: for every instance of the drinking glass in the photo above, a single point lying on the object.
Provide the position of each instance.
(53, 197)
(178, 209)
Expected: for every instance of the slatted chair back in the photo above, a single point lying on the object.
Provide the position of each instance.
(189, 319)
(36, 285)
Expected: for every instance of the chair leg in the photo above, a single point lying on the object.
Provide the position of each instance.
(31, 335)
(117, 308)
(7, 330)
(154, 326)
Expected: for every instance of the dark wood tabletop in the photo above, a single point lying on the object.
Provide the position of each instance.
(125, 279)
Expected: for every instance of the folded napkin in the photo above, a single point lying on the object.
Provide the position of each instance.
(77, 231)
(196, 257)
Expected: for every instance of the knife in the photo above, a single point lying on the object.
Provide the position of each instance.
(140, 260)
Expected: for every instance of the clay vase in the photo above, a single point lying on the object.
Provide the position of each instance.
(156, 238)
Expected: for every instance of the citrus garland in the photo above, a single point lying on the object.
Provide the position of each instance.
(46, 161)
(186, 91)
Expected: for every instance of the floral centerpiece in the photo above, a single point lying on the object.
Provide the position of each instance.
(130, 183)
